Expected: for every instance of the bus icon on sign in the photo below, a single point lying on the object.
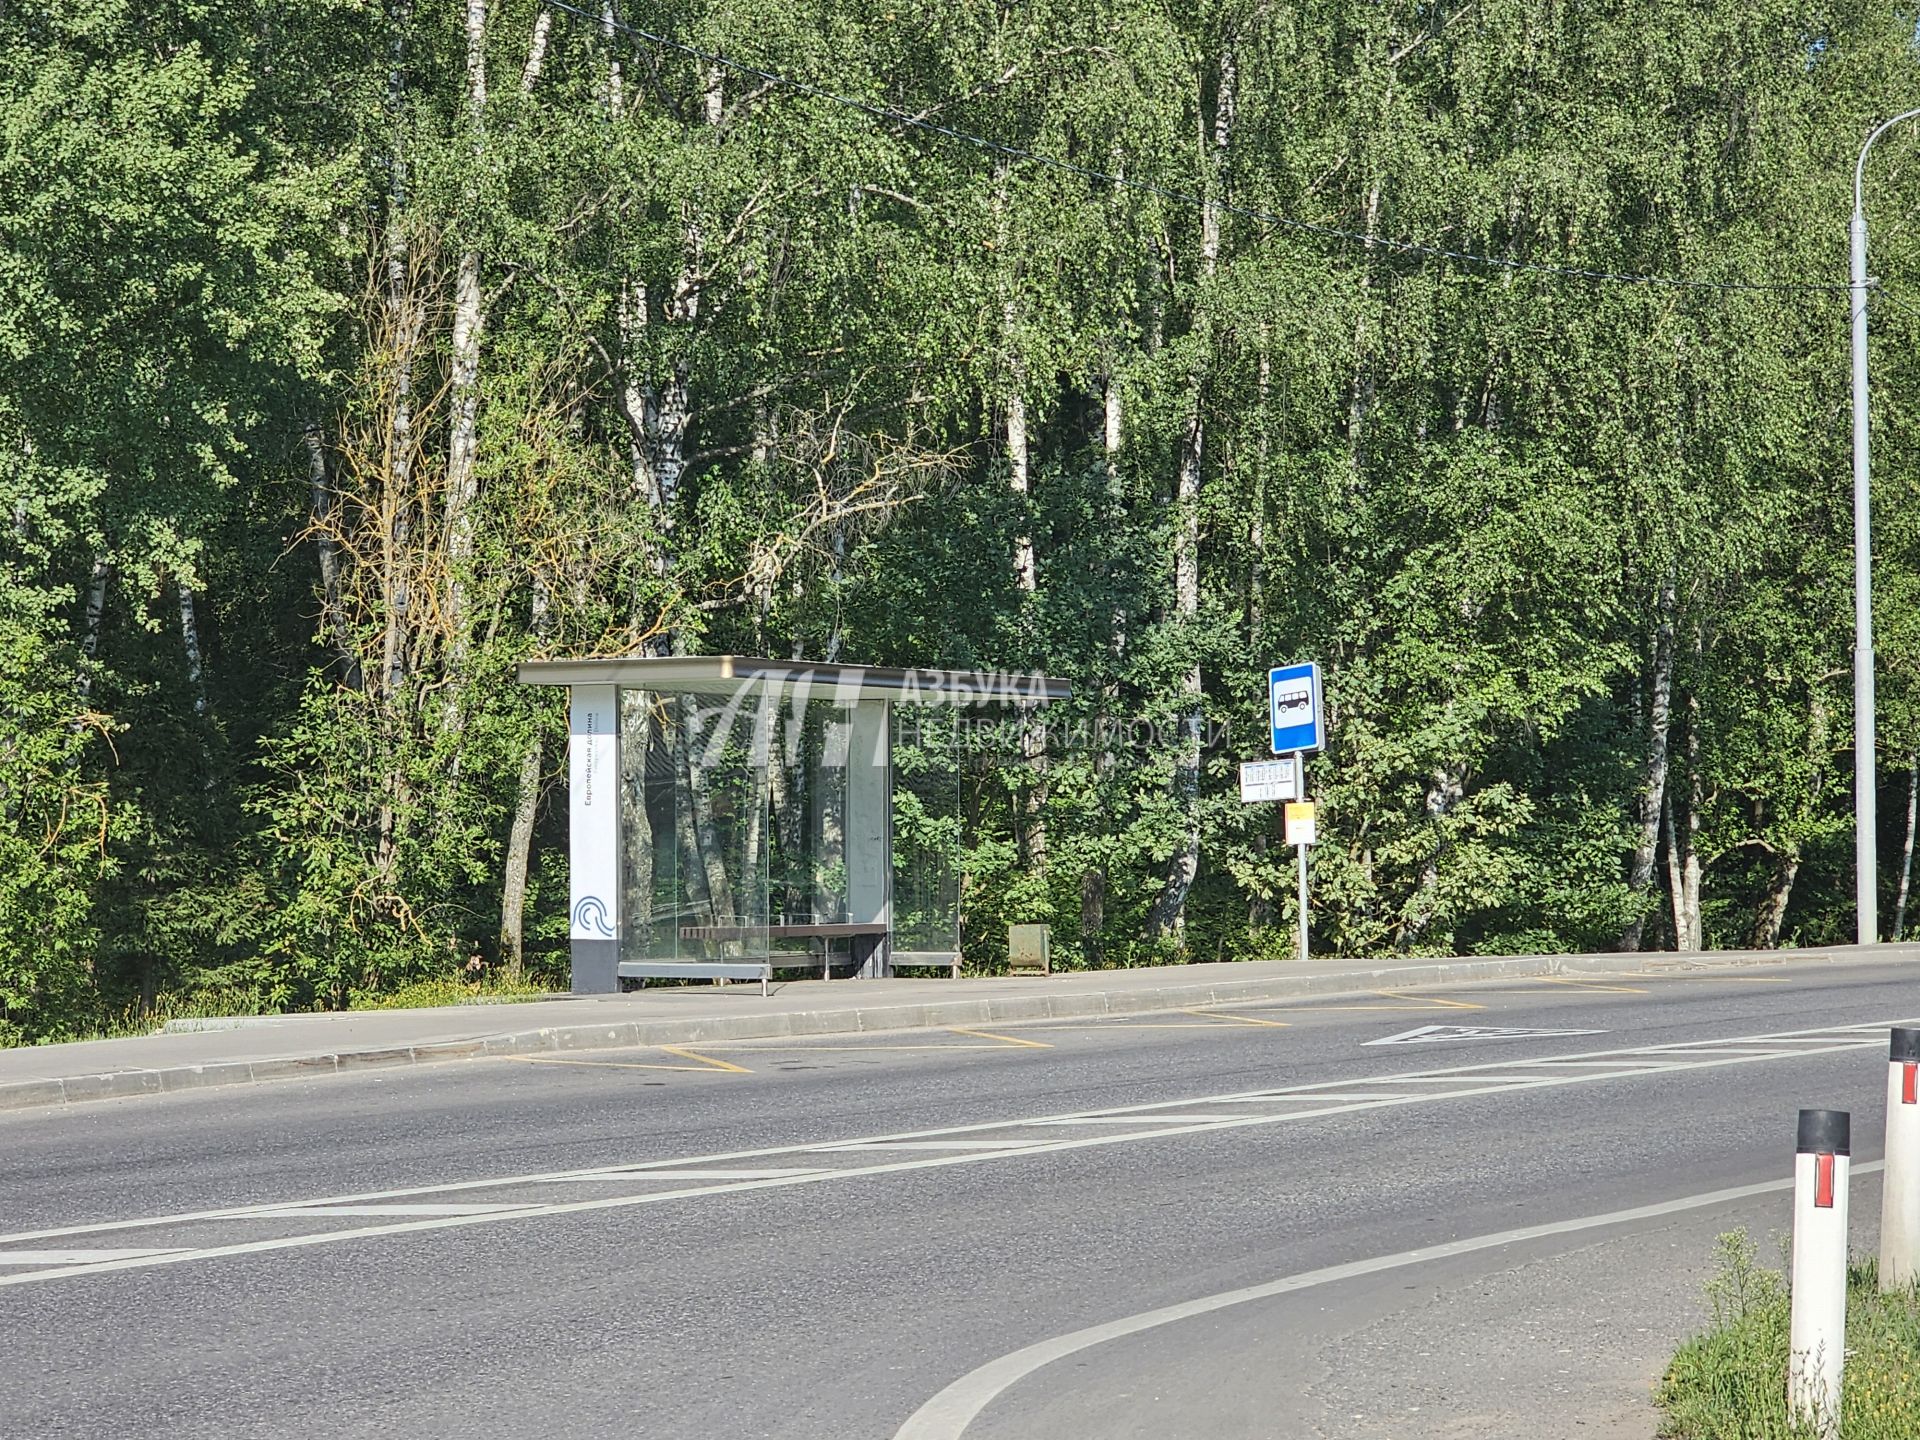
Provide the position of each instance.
(1293, 699)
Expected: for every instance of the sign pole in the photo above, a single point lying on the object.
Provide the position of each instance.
(1300, 769)
(1297, 716)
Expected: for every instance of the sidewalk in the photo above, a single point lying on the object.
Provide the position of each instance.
(292, 1047)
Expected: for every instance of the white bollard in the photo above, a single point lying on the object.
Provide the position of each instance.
(1818, 1344)
(1900, 1184)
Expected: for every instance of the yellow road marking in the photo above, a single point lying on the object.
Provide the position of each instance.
(686, 1054)
(1000, 1042)
(707, 1066)
(1240, 1019)
(1584, 987)
(1433, 1000)
(1371, 1009)
(1120, 1023)
(842, 1049)
(1003, 1039)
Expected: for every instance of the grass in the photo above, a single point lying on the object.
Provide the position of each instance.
(217, 1002)
(448, 990)
(1730, 1383)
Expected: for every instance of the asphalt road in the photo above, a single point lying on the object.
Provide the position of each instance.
(849, 1237)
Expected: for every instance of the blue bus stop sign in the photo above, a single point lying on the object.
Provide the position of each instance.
(1293, 705)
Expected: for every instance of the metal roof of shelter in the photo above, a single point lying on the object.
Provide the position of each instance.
(845, 682)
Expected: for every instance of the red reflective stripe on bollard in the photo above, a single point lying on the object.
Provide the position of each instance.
(1823, 1182)
(1910, 1084)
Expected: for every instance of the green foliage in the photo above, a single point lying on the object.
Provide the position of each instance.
(1731, 1382)
(328, 395)
(55, 842)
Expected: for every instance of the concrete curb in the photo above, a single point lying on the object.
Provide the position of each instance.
(33, 1094)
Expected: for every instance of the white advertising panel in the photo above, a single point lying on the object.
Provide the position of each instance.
(593, 775)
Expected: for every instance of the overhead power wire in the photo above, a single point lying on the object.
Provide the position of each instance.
(894, 116)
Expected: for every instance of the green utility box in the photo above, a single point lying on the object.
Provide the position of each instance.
(1029, 949)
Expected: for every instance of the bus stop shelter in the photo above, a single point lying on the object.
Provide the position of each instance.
(731, 816)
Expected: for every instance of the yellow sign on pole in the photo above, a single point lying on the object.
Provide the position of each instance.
(1302, 829)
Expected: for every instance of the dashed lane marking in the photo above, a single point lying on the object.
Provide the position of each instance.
(973, 1144)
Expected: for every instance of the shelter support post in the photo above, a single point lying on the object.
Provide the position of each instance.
(593, 776)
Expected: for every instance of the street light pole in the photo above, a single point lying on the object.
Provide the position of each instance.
(1865, 782)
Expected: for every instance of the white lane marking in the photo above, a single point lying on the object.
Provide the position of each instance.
(1312, 1099)
(374, 1211)
(1140, 1119)
(1808, 1037)
(631, 1175)
(855, 1146)
(1643, 1061)
(1435, 1034)
(947, 1415)
(72, 1257)
(1449, 1077)
(1467, 1081)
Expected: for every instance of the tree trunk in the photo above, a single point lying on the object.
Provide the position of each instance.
(785, 778)
(1906, 852)
(693, 862)
(1019, 473)
(1033, 735)
(321, 502)
(658, 408)
(469, 321)
(1094, 879)
(513, 884)
(1654, 777)
(190, 646)
(1445, 789)
(536, 50)
(1183, 866)
(1676, 885)
(1683, 853)
(95, 615)
(1773, 914)
(404, 322)
(526, 809)
(1260, 912)
(1361, 392)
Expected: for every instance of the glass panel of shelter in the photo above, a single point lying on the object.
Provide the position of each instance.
(929, 836)
(760, 821)
(694, 881)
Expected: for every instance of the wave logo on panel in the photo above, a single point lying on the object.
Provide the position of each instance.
(590, 917)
